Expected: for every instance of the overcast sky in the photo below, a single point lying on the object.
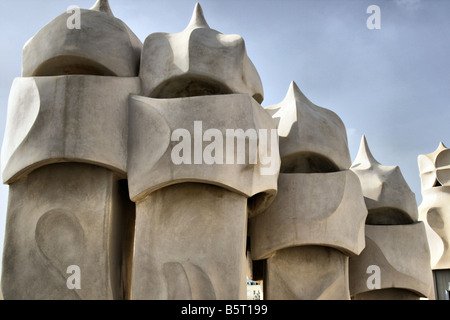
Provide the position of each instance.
(391, 84)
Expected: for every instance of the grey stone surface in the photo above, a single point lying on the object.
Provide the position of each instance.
(103, 45)
(434, 210)
(307, 273)
(316, 221)
(197, 61)
(396, 243)
(386, 193)
(62, 215)
(300, 216)
(190, 244)
(150, 161)
(66, 118)
(312, 138)
(401, 252)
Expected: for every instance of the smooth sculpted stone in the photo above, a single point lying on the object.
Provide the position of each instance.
(66, 119)
(304, 238)
(299, 215)
(395, 257)
(190, 244)
(69, 235)
(435, 168)
(197, 61)
(82, 41)
(223, 140)
(434, 210)
(386, 193)
(307, 273)
(312, 138)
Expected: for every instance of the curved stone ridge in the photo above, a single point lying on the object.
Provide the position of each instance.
(190, 224)
(155, 144)
(64, 215)
(298, 217)
(434, 210)
(435, 168)
(307, 273)
(394, 269)
(312, 138)
(197, 61)
(386, 193)
(100, 45)
(66, 118)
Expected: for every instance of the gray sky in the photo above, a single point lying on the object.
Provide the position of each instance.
(391, 84)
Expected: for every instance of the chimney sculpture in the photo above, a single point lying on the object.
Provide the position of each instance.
(434, 211)
(188, 172)
(394, 265)
(64, 158)
(316, 222)
(124, 158)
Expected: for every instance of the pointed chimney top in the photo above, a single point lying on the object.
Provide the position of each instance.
(198, 19)
(293, 89)
(432, 156)
(442, 146)
(295, 93)
(293, 86)
(103, 6)
(364, 156)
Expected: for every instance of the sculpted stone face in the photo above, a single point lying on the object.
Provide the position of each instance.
(65, 159)
(89, 126)
(395, 262)
(386, 193)
(312, 138)
(151, 164)
(401, 254)
(298, 216)
(197, 61)
(435, 168)
(103, 45)
(434, 210)
(305, 237)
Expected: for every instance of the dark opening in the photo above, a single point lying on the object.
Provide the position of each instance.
(307, 162)
(125, 237)
(437, 183)
(189, 86)
(71, 65)
(258, 203)
(387, 216)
